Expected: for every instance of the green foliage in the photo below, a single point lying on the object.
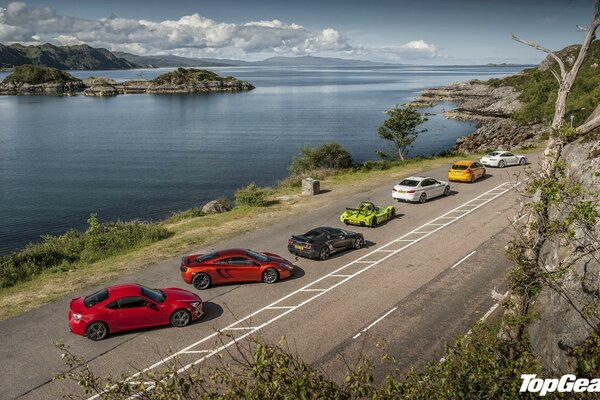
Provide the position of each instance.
(253, 196)
(539, 89)
(478, 366)
(401, 129)
(329, 155)
(587, 357)
(184, 76)
(35, 74)
(72, 249)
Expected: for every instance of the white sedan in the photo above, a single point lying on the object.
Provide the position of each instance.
(501, 159)
(419, 188)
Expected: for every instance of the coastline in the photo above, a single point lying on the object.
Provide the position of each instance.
(491, 108)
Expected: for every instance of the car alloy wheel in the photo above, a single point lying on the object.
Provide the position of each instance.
(374, 222)
(446, 190)
(181, 318)
(201, 281)
(501, 164)
(423, 198)
(472, 178)
(359, 243)
(96, 331)
(522, 161)
(270, 275)
(324, 253)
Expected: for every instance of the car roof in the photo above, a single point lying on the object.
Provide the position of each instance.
(416, 178)
(463, 162)
(129, 289)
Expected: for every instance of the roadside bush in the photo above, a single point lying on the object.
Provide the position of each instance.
(73, 248)
(252, 196)
(185, 214)
(327, 155)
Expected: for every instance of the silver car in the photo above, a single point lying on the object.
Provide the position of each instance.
(501, 159)
(419, 189)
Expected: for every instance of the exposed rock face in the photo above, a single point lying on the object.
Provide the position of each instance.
(560, 326)
(215, 207)
(491, 108)
(42, 88)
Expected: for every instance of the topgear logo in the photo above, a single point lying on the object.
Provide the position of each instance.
(566, 383)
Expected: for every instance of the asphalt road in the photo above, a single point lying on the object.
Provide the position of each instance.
(405, 287)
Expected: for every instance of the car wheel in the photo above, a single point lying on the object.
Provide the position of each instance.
(472, 178)
(374, 222)
(423, 198)
(346, 222)
(181, 318)
(522, 161)
(501, 164)
(96, 331)
(446, 190)
(270, 276)
(359, 242)
(324, 253)
(201, 281)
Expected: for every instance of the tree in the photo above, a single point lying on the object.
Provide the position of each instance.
(401, 128)
(329, 155)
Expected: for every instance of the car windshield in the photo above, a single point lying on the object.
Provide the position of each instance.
(459, 167)
(156, 295)
(409, 182)
(494, 154)
(95, 298)
(257, 256)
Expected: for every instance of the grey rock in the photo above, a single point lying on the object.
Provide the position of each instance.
(215, 207)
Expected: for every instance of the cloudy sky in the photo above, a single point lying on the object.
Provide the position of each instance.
(416, 32)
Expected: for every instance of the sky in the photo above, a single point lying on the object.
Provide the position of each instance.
(425, 32)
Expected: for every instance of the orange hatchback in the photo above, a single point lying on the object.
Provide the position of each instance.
(466, 171)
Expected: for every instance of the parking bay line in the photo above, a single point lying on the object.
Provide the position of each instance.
(504, 187)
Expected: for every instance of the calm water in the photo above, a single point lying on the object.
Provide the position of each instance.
(144, 156)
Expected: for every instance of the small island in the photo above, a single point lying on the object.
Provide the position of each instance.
(34, 79)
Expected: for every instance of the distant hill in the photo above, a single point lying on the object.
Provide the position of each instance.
(79, 57)
(304, 61)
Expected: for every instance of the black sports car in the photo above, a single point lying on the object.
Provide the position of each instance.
(320, 243)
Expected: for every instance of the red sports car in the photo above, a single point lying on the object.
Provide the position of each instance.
(234, 265)
(132, 306)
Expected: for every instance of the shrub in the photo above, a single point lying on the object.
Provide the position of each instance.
(252, 196)
(36, 74)
(328, 155)
(185, 214)
(70, 250)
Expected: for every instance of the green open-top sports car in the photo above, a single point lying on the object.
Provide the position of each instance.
(367, 214)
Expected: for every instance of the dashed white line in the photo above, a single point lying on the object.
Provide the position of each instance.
(374, 323)
(502, 188)
(463, 259)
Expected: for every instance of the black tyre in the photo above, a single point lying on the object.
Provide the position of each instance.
(181, 318)
(359, 242)
(374, 222)
(324, 253)
(423, 198)
(270, 275)
(393, 213)
(472, 178)
(201, 281)
(446, 190)
(96, 331)
(501, 164)
(522, 161)
(346, 222)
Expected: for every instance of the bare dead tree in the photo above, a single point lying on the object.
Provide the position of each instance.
(566, 79)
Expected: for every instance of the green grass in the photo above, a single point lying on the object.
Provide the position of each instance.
(184, 76)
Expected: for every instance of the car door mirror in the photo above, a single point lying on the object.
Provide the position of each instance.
(151, 305)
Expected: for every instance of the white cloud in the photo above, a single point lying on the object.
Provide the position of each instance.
(191, 35)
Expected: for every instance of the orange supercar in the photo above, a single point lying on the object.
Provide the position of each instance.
(466, 171)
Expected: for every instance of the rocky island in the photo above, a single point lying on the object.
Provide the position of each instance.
(33, 79)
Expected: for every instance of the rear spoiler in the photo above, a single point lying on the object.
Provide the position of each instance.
(300, 238)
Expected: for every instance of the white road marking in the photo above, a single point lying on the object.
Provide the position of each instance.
(374, 322)
(504, 187)
(463, 259)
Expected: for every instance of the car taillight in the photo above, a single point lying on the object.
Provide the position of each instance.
(290, 241)
(76, 317)
(411, 191)
(307, 246)
(468, 171)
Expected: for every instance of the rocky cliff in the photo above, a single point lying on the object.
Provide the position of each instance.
(570, 310)
(491, 108)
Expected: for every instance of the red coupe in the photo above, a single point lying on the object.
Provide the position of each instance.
(234, 265)
(132, 306)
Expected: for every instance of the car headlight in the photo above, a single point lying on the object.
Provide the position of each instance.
(196, 304)
(76, 317)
